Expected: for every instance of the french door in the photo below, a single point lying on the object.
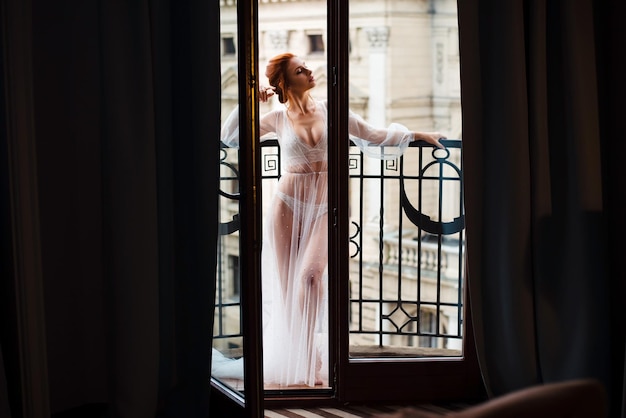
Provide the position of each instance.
(396, 319)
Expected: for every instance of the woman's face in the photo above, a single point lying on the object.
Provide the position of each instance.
(299, 77)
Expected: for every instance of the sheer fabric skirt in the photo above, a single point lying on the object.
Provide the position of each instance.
(295, 282)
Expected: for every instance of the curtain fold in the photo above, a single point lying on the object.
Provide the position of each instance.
(540, 195)
(191, 73)
(129, 179)
(158, 122)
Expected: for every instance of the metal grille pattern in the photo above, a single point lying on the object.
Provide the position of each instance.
(406, 246)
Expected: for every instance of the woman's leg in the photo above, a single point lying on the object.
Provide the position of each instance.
(283, 230)
(312, 289)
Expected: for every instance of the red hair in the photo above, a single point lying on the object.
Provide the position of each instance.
(276, 72)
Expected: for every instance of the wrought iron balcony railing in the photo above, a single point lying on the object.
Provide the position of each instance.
(406, 248)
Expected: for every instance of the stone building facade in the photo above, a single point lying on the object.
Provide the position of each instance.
(404, 68)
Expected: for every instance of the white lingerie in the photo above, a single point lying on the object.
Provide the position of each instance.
(295, 245)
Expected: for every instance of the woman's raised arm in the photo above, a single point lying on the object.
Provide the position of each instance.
(230, 129)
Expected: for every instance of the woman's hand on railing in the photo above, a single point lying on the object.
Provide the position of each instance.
(430, 137)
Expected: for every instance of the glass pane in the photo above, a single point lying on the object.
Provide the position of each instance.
(295, 228)
(227, 331)
(407, 238)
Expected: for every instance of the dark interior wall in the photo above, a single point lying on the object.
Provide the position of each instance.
(67, 125)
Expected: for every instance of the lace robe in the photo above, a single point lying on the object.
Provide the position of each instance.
(295, 245)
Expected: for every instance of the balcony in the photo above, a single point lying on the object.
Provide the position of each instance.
(406, 251)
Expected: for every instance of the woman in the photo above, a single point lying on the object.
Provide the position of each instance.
(295, 240)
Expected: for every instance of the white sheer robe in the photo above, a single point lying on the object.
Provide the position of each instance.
(295, 245)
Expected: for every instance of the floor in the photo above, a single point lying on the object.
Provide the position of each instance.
(349, 411)
(356, 411)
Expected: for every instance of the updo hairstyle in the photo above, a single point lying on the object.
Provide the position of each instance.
(275, 72)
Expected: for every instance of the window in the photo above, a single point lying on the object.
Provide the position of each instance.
(316, 44)
(228, 45)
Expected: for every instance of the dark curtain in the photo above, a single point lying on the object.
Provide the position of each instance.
(542, 85)
(128, 163)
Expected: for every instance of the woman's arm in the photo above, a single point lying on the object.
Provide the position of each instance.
(230, 129)
(268, 121)
(229, 134)
(396, 134)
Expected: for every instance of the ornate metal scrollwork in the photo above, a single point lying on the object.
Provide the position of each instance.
(226, 228)
(353, 241)
(422, 221)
